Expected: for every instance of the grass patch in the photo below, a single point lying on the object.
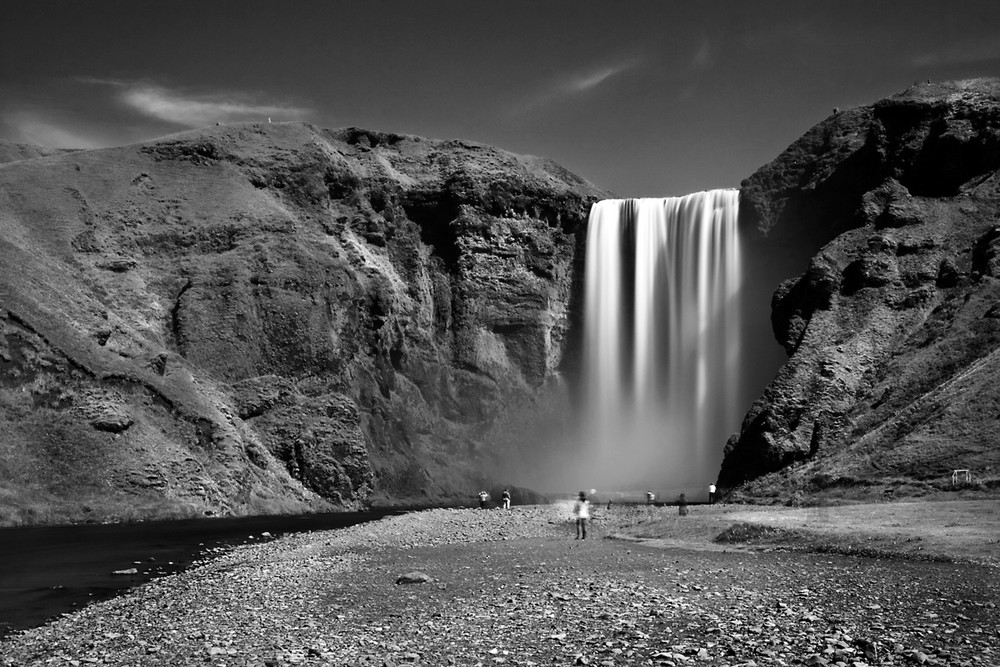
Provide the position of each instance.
(55, 468)
(938, 530)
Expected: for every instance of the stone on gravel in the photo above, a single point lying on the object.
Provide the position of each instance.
(414, 578)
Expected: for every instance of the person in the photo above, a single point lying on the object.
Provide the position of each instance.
(711, 493)
(609, 504)
(483, 497)
(581, 510)
(650, 497)
(682, 505)
(505, 497)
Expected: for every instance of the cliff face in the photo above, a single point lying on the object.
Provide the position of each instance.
(260, 318)
(893, 330)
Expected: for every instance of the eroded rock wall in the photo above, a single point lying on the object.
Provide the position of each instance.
(892, 331)
(274, 317)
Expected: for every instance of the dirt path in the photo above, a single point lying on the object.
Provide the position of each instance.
(517, 589)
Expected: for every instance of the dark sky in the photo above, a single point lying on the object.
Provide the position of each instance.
(643, 98)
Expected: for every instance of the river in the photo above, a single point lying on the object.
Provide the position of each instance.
(46, 571)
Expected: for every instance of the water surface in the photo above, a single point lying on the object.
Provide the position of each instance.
(46, 571)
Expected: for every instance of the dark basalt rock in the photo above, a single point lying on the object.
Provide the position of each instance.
(890, 334)
(986, 254)
(796, 300)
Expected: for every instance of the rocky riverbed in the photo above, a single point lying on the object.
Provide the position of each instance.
(516, 588)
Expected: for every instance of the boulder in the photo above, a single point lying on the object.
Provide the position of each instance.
(414, 577)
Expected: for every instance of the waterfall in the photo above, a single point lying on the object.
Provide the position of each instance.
(661, 339)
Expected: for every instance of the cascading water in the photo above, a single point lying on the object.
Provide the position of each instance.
(661, 340)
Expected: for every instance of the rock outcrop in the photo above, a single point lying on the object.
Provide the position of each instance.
(893, 330)
(272, 317)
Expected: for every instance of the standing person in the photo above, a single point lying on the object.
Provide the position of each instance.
(682, 505)
(711, 493)
(650, 497)
(483, 497)
(505, 496)
(581, 510)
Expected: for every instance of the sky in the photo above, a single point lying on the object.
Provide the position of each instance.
(642, 98)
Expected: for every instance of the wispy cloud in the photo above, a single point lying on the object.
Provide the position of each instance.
(589, 80)
(35, 127)
(194, 108)
(30, 128)
(198, 110)
(576, 83)
(90, 112)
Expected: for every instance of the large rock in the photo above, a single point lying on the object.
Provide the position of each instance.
(273, 317)
(892, 330)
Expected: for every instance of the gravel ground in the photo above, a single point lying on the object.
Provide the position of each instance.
(516, 588)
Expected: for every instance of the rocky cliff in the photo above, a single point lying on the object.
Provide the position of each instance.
(272, 317)
(893, 330)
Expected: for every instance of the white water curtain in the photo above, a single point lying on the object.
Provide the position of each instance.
(661, 339)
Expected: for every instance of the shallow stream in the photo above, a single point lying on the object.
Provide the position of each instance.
(46, 571)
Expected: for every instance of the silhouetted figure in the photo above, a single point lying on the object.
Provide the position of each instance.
(505, 497)
(712, 494)
(581, 510)
(483, 497)
(609, 504)
(650, 497)
(682, 505)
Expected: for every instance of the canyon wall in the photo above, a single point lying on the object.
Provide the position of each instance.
(274, 318)
(893, 329)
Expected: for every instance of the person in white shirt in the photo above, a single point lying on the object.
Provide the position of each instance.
(581, 510)
(711, 494)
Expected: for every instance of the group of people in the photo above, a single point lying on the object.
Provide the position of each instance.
(713, 495)
(484, 499)
(581, 507)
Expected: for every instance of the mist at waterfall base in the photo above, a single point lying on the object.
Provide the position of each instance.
(664, 379)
